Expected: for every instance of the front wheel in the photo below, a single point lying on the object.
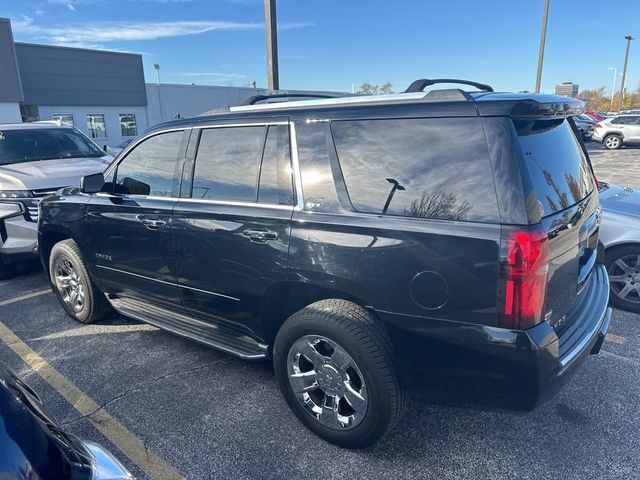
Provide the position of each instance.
(334, 364)
(71, 283)
(612, 142)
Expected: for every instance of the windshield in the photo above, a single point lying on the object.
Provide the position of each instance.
(28, 145)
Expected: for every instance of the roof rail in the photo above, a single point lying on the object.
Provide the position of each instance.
(420, 85)
(258, 98)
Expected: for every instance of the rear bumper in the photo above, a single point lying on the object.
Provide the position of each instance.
(534, 362)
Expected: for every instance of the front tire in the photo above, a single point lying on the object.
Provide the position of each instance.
(334, 364)
(623, 267)
(70, 280)
(612, 142)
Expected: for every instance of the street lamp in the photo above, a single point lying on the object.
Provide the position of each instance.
(628, 38)
(613, 86)
(157, 67)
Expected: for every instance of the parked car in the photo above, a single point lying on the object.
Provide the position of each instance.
(33, 446)
(343, 237)
(585, 125)
(596, 116)
(36, 160)
(617, 131)
(620, 234)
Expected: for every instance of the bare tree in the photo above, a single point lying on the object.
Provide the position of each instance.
(437, 203)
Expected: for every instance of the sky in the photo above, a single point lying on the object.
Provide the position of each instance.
(333, 45)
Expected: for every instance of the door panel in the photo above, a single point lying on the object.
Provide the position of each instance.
(130, 240)
(232, 255)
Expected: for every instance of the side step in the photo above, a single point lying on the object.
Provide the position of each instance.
(227, 338)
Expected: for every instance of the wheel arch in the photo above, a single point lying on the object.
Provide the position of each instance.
(283, 299)
(46, 241)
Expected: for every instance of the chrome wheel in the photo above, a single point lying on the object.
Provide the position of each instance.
(69, 283)
(327, 382)
(624, 276)
(612, 142)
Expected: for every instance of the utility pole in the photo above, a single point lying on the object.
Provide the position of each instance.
(543, 37)
(613, 86)
(271, 27)
(628, 38)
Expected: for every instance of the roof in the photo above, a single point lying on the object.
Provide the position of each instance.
(31, 126)
(449, 102)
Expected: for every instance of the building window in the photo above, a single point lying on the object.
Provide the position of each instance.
(29, 113)
(64, 118)
(128, 125)
(96, 126)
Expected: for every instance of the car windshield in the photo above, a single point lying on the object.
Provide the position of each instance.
(29, 145)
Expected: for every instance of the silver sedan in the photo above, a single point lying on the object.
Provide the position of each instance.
(620, 234)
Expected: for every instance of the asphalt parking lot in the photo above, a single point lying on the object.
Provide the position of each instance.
(169, 407)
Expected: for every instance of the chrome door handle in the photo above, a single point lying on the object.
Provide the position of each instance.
(153, 224)
(260, 235)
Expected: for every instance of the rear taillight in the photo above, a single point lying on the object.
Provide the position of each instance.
(524, 269)
(597, 125)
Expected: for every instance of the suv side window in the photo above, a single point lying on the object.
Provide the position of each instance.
(276, 181)
(151, 167)
(227, 163)
(426, 168)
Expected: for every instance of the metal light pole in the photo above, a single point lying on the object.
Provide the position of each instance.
(271, 27)
(543, 37)
(628, 38)
(157, 68)
(613, 86)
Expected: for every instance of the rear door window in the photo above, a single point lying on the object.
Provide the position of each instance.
(276, 181)
(424, 168)
(227, 163)
(559, 170)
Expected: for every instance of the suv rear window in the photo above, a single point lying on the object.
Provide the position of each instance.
(29, 145)
(558, 168)
(424, 167)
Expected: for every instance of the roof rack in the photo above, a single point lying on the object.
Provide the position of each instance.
(258, 98)
(420, 85)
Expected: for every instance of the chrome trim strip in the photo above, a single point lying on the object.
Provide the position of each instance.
(208, 292)
(234, 204)
(166, 283)
(295, 164)
(253, 124)
(398, 97)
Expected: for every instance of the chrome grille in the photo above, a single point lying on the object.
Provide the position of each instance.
(31, 204)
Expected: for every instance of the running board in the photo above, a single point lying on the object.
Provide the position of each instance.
(224, 337)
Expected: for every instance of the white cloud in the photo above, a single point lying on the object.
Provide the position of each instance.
(128, 31)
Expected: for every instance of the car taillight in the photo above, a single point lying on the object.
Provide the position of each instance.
(597, 125)
(524, 271)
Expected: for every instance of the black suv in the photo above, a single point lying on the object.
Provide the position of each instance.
(341, 237)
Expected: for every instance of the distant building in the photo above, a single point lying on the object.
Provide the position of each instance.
(100, 92)
(567, 89)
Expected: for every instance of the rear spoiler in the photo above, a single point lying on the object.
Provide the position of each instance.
(530, 106)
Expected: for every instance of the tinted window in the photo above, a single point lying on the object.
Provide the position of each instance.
(317, 180)
(559, 170)
(429, 168)
(150, 168)
(27, 145)
(275, 173)
(227, 163)
(625, 120)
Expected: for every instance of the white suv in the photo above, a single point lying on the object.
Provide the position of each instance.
(615, 131)
(36, 159)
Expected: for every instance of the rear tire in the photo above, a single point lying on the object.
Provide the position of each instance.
(77, 293)
(334, 364)
(612, 142)
(623, 267)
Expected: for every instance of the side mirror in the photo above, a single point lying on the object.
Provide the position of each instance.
(92, 183)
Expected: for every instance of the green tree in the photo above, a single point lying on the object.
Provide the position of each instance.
(370, 89)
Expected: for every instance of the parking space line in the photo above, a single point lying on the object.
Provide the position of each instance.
(24, 297)
(114, 431)
(610, 337)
